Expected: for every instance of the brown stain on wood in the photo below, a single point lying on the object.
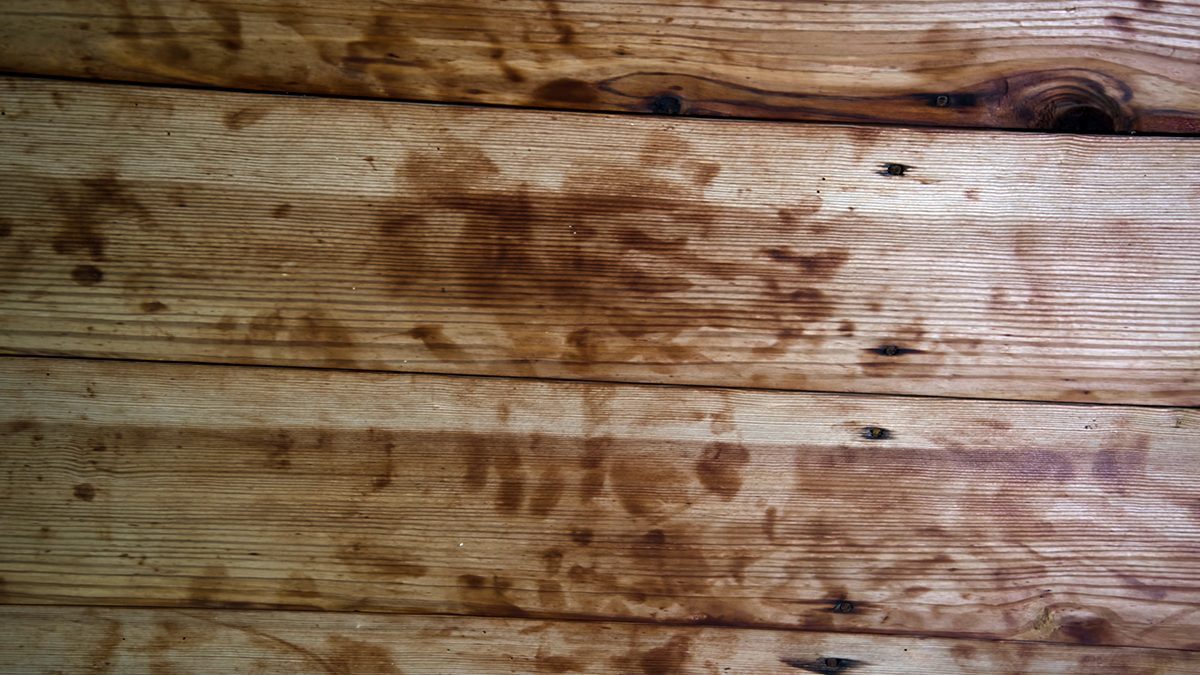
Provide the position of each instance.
(719, 468)
(546, 663)
(566, 31)
(86, 209)
(669, 658)
(153, 307)
(84, 492)
(87, 275)
(769, 520)
(236, 120)
(345, 656)
(488, 595)
(628, 272)
(312, 336)
(102, 660)
(435, 340)
(565, 90)
(379, 560)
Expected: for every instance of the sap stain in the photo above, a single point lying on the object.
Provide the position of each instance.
(582, 535)
(380, 560)
(344, 656)
(6, 228)
(1045, 465)
(85, 492)
(279, 450)
(547, 492)
(383, 48)
(435, 340)
(488, 595)
(497, 54)
(629, 271)
(18, 426)
(313, 337)
(501, 455)
(1091, 630)
(384, 478)
(592, 464)
(820, 266)
(769, 519)
(566, 32)
(206, 589)
(647, 490)
(720, 468)
(241, 118)
(552, 560)
(557, 664)
(706, 172)
(550, 594)
(1122, 23)
(87, 275)
(106, 648)
(669, 658)
(298, 586)
(826, 665)
(231, 26)
(98, 200)
(153, 307)
(566, 90)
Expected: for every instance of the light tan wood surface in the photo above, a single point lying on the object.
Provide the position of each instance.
(203, 226)
(239, 487)
(1090, 65)
(160, 641)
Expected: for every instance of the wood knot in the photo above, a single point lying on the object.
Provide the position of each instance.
(843, 607)
(876, 433)
(1071, 101)
(666, 104)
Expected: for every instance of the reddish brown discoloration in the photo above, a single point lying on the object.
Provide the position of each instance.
(85, 492)
(628, 290)
(236, 120)
(345, 656)
(85, 210)
(719, 468)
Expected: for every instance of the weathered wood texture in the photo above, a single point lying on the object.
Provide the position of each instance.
(277, 230)
(1089, 65)
(102, 640)
(211, 486)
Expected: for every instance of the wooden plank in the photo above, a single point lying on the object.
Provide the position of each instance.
(104, 640)
(276, 230)
(1091, 65)
(235, 487)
